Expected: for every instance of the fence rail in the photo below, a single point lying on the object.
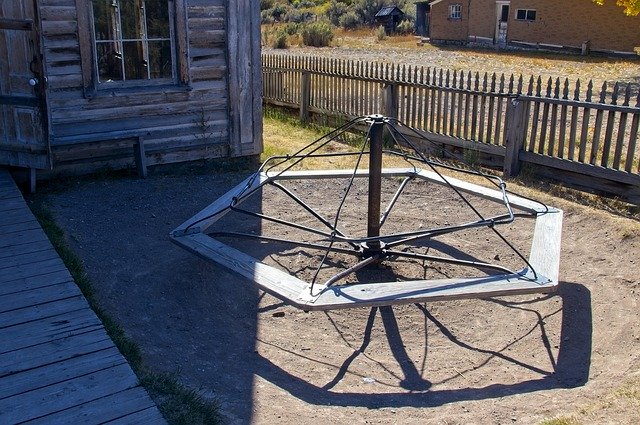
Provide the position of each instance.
(568, 131)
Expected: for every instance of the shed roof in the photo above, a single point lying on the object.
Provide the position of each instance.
(389, 11)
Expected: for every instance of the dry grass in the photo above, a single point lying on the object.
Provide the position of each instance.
(620, 406)
(362, 45)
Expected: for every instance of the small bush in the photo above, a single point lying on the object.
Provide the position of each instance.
(405, 27)
(299, 16)
(278, 12)
(303, 4)
(280, 39)
(292, 28)
(317, 34)
(381, 34)
(266, 4)
(349, 21)
(266, 17)
(335, 11)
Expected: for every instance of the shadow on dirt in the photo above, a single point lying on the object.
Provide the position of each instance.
(571, 365)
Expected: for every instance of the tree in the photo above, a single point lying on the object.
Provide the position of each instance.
(631, 7)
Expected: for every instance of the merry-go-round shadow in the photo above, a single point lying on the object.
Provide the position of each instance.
(570, 367)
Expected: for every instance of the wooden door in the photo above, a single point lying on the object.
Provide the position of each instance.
(502, 17)
(24, 138)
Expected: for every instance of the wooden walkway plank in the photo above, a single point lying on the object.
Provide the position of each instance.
(19, 238)
(36, 246)
(12, 204)
(57, 363)
(19, 226)
(20, 300)
(40, 281)
(28, 258)
(48, 330)
(66, 348)
(42, 310)
(35, 269)
(8, 194)
(9, 220)
(51, 374)
(58, 397)
(129, 406)
(143, 417)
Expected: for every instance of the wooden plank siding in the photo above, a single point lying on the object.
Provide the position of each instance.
(57, 363)
(184, 121)
(566, 131)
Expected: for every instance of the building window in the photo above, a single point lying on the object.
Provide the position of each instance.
(455, 11)
(134, 41)
(526, 15)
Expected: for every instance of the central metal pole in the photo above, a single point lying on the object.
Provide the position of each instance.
(375, 181)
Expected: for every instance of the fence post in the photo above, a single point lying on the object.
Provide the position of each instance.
(390, 100)
(515, 136)
(305, 95)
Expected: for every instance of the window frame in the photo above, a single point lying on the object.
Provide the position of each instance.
(455, 11)
(86, 40)
(144, 39)
(526, 15)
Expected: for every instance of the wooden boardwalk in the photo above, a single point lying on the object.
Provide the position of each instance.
(57, 364)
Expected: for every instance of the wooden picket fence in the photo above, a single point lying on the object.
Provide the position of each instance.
(573, 132)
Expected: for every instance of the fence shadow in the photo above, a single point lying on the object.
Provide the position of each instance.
(571, 369)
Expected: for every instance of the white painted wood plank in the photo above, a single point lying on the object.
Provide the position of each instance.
(53, 352)
(545, 247)
(201, 218)
(391, 293)
(272, 280)
(55, 373)
(481, 191)
(121, 407)
(54, 398)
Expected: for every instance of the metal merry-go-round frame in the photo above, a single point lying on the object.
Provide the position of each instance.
(540, 274)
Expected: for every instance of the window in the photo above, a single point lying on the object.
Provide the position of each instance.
(133, 41)
(526, 15)
(455, 11)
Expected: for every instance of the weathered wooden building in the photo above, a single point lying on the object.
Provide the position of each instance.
(86, 84)
(389, 17)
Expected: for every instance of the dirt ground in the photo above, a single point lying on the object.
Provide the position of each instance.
(508, 360)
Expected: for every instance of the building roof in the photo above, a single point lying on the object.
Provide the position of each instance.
(389, 11)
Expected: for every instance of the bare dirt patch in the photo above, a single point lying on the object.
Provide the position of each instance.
(508, 360)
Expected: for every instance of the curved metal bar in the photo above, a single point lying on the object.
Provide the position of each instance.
(289, 241)
(283, 222)
(436, 258)
(393, 201)
(352, 269)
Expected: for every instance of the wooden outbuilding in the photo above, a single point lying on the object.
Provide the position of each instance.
(87, 84)
(389, 17)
